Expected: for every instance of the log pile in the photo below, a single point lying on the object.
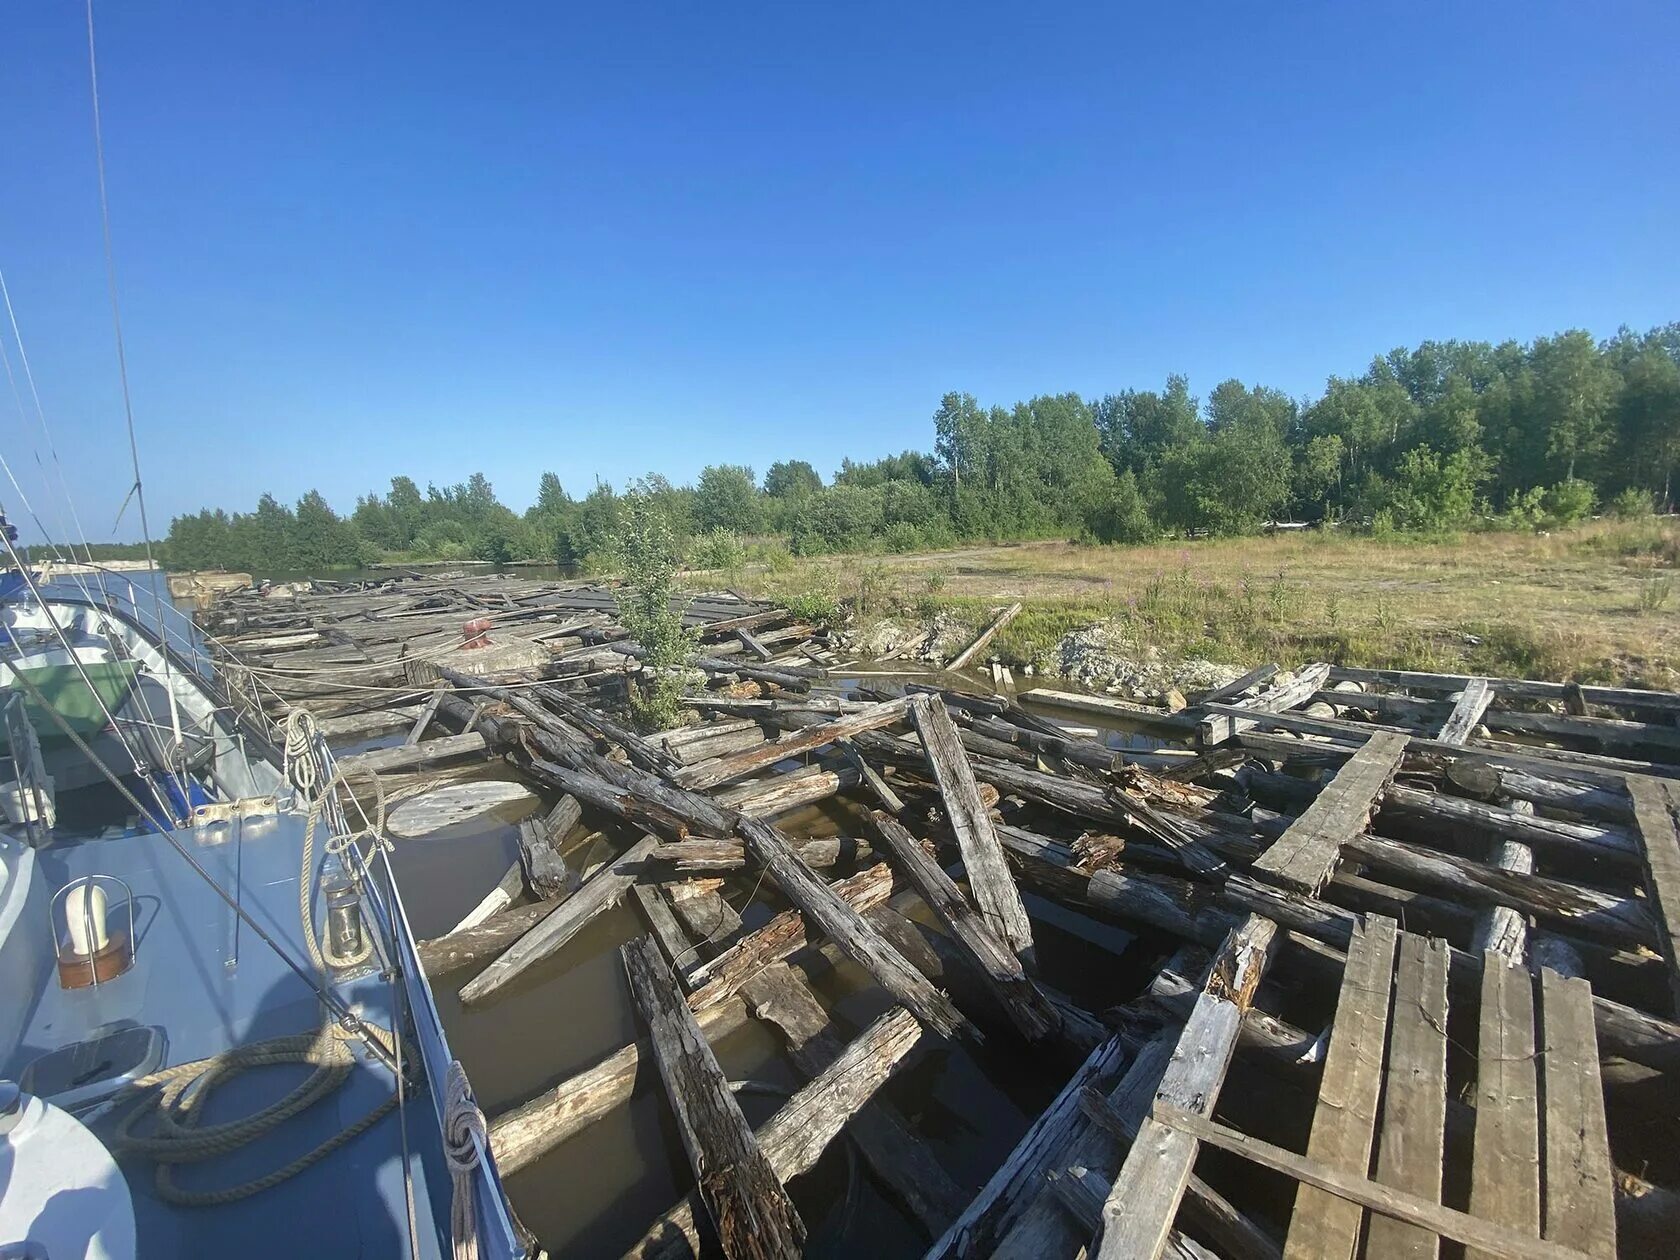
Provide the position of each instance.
(1409, 940)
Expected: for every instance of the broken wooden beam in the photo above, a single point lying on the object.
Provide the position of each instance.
(738, 765)
(748, 1207)
(984, 637)
(1302, 859)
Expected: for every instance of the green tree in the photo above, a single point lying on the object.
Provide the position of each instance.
(647, 551)
(726, 497)
(791, 479)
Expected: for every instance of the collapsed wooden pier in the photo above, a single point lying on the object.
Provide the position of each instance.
(1415, 938)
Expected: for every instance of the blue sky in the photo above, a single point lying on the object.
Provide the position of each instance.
(357, 239)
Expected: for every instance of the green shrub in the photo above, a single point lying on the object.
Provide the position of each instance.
(717, 549)
(1567, 502)
(1632, 504)
(647, 551)
(1122, 517)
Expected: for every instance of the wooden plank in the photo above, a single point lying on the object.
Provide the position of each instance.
(752, 644)
(739, 765)
(1029, 1010)
(504, 894)
(602, 889)
(796, 1136)
(1303, 858)
(1126, 714)
(414, 756)
(1467, 712)
(1324, 1226)
(860, 941)
(748, 1206)
(1224, 721)
(1505, 1165)
(426, 714)
(903, 1166)
(1656, 812)
(1144, 1200)
(1580, 1188)
(673, 942)
(1414, 1106)
(1236, 687)
(989, 879)
(985, 636)
(1358, 1191)
(871, 777)
(1516, 688)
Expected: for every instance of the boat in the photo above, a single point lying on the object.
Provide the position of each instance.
(217, 1037)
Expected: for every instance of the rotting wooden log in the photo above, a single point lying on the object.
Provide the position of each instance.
(1514, 688)
(603, 889)
(1323, 1226)
(1656, 807)
(416, 756)
(1504, 929)
(698, 856)
(902, 1164)
(464, 947)
(783, 936)
(1145, 1196)
(718, 744)
(988, 871)
(1302, 859)
(1604, 804)
(545, 870)
(1467, 711)
(782, 793)
(1624, 920)
(749, 1208)
(1360, 1192)
(984, 637)
(640, 751)
(1613, 844)
(1580, 1200)
(850, 931)
(1223, 721)
(1014, 990)
(1237, 686)
(425, 718)
(1505, 1164)
(739, 765)
(796, 1136)
(1414, 1108)
(1126, 714)
(507, 891)
(889, 799)
(753, 645)
(1623, 1031)
(704, 913)
(679, 953)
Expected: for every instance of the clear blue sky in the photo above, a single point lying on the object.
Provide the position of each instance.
(362, 238)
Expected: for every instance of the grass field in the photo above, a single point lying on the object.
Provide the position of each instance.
(1598, 603)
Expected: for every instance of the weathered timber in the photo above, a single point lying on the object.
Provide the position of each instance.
(426, 715)
(1514, 688)
(504, 894)
(997, 623)
(783, 793)
(1505, 1165)
(641, 752)
(902, 1164)
(1224, 721)
(415, 756)
(1623, 1031)
(704, 913)
(1323, 1226)
(545, 870)
(1414, 1107)
(988, 872)
(1656, 807)
(1141, 1206)
(1615, 844)
(748, 1206)
(694, 856)
(1302, 859)
(1467, 711)
(673, 942)
(889, 799)
(1126, 714)
(1580, 1199)
(796, 1136)
(739, 765)
(1358, 1191)
(850, 931)
(601, 890)
(753, 645)
(1015, 991)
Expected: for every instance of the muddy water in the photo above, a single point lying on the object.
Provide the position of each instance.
(596, 1194)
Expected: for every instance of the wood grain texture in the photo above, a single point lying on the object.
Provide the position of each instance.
(1303, 858)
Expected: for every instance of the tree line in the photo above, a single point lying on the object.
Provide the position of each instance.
(1427, 439)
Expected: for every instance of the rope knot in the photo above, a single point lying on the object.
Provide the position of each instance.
(462, 1122)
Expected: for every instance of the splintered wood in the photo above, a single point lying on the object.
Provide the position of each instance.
(1402, 948)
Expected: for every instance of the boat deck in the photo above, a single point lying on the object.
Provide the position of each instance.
(209, 984)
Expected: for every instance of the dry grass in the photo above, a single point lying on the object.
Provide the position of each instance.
(1596, 603)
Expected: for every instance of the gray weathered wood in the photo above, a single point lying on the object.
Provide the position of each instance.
(1303, 858)
(597, 893)
(748, 1206)
(674, 944)
(860, 941)
(1580, 1194)
(1029, 1010)
(903, 1166)
(796, 1136)
(1656, 808)
(1237, 686)
(1324, 1226)
(1141, 1205)
(415, 756)
(739, 765)
(871, 777)
(507, 891)
(963, 657)
(1414, 1106)
(1227, 720)
(545, 869)
(1505, 1168)
(1467, 711)
(426, 714)
(988, 871)
(1357, 1191)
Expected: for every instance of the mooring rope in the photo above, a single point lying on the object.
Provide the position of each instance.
(463, 1122)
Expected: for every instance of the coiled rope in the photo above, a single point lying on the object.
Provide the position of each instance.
(463, 1122)
(174, 1100)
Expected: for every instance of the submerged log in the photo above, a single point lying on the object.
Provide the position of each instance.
(739, 1188)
